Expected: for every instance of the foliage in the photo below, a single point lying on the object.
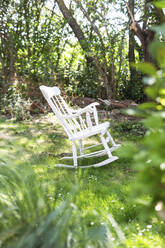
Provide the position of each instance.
(84, 83)
(134, 89)
(37, 44)
(149, 160)
(15, 104)
(130, 129)
(31, 44)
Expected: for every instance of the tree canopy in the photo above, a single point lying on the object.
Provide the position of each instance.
(87, 47)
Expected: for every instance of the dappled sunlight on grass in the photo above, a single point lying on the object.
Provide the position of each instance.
(38, 146)
(146, 240)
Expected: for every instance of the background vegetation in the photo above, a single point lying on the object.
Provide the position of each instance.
(85, 47)
(107, 49)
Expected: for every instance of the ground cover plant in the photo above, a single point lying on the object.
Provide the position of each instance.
(44, 206)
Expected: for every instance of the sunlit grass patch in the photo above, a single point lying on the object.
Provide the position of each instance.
(32, 189)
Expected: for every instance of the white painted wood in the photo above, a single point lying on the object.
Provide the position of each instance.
(74, 149)
(107, 161)
(80, 124)
(81, 147)
(94, 154)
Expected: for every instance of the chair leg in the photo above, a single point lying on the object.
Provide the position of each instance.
(111, 139)
(74, 149)
(106, 146)
(81, 147)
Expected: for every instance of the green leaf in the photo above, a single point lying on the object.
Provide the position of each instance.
(134, 112)
(151, 92)
(157, 49)
(159, 29)
(148, 105)
(160, 4)
(146, 68)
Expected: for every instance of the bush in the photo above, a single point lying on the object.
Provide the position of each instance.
(149, 160)
(15, 104)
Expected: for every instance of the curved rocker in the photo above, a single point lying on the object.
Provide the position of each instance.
(81, 124)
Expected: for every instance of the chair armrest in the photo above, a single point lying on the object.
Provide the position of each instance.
(93, 104)
(76, 113)
(87, 108)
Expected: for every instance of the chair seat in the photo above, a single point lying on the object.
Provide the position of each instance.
(100, 128)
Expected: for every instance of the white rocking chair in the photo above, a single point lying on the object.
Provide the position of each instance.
(80, 124)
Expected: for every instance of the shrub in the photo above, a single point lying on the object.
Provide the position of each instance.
(15, 104)
(149, 160)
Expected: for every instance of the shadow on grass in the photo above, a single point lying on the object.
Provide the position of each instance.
(37, 145)
(103, 190)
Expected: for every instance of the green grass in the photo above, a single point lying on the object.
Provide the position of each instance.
(45, 206)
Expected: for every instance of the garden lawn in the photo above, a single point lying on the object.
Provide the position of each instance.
(41, 204)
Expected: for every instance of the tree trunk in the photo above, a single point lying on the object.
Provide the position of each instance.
(113, 70)
(12, 70)
(145, 35)
(104, 78)
(109, 84)
(91, 61)
(3, 73)
(131, 54)
(8, 58)
(76, 29)
(27, 25)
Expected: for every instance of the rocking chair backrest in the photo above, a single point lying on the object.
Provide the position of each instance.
(72, 125)
(57, 104)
